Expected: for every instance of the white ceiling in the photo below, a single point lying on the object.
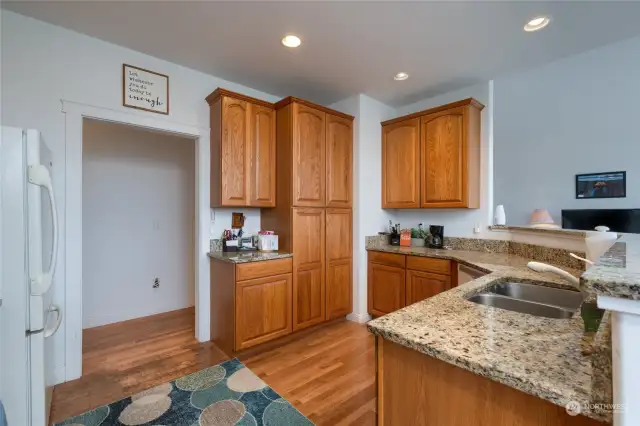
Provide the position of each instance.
(348, 47)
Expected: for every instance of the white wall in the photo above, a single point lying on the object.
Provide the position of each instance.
(575, 115)
(138, 197)
(43, 64)
(368, 216)
(458, 222)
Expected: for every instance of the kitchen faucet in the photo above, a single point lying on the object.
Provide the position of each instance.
(543, 267)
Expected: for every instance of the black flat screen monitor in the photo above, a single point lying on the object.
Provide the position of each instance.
(618, 220)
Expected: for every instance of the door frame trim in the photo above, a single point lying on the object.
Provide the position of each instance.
(71, 226)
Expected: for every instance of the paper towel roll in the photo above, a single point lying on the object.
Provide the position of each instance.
(598, 243)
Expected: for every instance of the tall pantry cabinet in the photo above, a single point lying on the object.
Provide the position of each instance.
(312, 214)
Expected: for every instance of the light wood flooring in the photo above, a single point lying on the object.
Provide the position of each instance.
(327, 374)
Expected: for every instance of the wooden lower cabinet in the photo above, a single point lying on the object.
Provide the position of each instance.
(308, 297)
(421, 285)
(251, 303)
(397, 280)
(339, 254)
(416, 389)
(308, 266)
(263, 310)
(338, 289)
(386, 288)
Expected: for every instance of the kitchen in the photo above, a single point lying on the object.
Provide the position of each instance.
(326, 174)
(433, 283)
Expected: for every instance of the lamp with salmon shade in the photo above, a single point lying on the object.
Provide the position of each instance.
(540, 218)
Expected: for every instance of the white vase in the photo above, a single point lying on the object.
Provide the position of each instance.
(500, 217)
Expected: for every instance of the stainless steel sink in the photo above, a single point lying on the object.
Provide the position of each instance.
(531, 299)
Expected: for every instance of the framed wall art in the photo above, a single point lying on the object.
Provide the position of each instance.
(145, 90)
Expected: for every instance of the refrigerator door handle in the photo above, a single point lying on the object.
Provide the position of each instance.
(48, 332)
(39, 175)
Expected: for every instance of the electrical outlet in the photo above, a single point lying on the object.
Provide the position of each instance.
(156, 282)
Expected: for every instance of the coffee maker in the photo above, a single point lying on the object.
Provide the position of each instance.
(436, 236)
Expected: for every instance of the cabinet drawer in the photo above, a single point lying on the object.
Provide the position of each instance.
(266, 268)
(426, 264)
(388, 259)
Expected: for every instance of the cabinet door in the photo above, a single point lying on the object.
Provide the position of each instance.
(339, 299)
(421, 285)
(235, 114)
(263, 310)
(401, 164)
(262, 156)
(339, 161)
(444, 171)
(386, 291)
(308, 156)
(308, 267)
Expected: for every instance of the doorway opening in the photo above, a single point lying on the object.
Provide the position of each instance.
(69, 347)
(138, 244)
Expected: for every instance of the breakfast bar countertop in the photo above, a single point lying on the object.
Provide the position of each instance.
(539, 356)
(249, 256)
(617, 272)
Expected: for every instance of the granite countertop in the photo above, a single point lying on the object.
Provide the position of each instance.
(617, 272)
(250, 256)
(540, 356)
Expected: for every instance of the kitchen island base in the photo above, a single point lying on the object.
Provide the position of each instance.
(416, 389)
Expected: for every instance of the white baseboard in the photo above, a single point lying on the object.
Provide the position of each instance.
(115, 317)
(359, 318)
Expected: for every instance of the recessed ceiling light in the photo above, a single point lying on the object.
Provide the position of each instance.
(291, 41)
(401, 76)
(537, 24)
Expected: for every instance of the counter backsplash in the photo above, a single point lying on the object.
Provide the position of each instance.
(215, 245)
(554, 256)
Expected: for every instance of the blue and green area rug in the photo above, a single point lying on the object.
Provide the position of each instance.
(225, 394)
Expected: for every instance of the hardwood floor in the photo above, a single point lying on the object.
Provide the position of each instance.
(122, 359)
(328, 374)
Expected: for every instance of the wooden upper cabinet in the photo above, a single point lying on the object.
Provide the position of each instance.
(242, 150)
(445, 144)
(339, 161)
(262, 156)
(338, 247)
(308, 267)
(309, 153)
(444, 159)
(401, 164)
(233, 152)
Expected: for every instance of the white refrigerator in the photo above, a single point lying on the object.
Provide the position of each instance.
(29, 234)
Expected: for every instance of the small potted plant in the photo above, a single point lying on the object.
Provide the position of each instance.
(418, 236)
